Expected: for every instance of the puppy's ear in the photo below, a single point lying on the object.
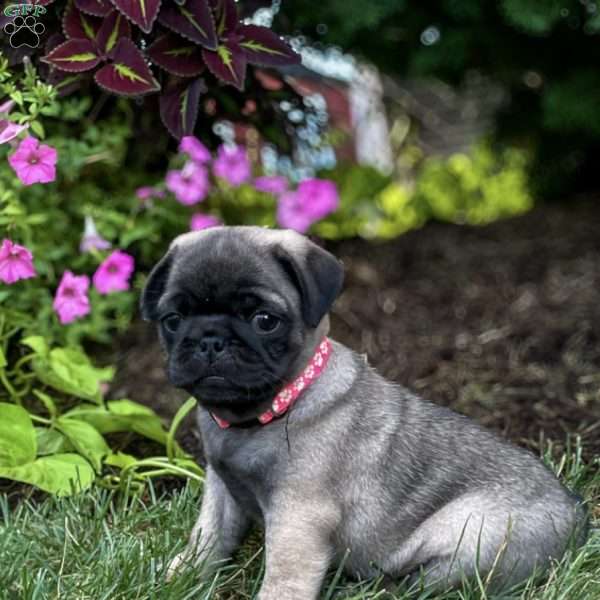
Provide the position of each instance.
(316, 273)
(155, 286)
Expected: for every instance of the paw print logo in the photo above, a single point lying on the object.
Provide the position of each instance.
(24, 31)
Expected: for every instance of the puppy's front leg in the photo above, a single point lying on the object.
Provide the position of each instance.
(220, 528)
(298, 552)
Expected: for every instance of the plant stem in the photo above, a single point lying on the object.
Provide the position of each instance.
(40, 420)
(22, 361)
(9, 388)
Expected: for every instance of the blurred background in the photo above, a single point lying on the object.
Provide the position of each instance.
(450, 73)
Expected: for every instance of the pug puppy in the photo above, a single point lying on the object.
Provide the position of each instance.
(302, 436)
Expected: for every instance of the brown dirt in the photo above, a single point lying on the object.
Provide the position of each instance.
(501, 323)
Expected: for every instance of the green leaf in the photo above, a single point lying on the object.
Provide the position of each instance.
(536, 18)
(142, 420)
(85, 439)
(122, 415)
(51, 441)
(121, 460)
(13, 210)
(3, 362)
(37, 343)
(128, 408)
(36, 218)
(17, 97)
(17, 436)
(99, 418)
(60, 474)
(48, 403)
(183, 411)
(38, 129)
(140, 232)
(70, 370)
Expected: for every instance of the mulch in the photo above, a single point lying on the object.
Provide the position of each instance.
(500, 322)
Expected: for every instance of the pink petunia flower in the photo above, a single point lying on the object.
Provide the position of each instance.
(91, 239)
(232, 164)
(16, 262)
(9, 130)
(313, 200)
(291, 213)
(114, 273)
(71, 300)
(6, 107)
(148, 192)
(203, 221)
(34, 162)
(190, 185)
(319, 197)
(275, 185)
(195, 149)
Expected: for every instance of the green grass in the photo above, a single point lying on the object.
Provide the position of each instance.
(100, 545)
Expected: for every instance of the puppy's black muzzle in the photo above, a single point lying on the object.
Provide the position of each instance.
(210, 348)
(209, 336)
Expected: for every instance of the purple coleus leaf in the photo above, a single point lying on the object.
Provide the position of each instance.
(74, 56)
(114, 27)
(241, 44)
(226, 16)
(179, 105)
(263, 47)
(128, 74)
(227, 63)
(176, 56)
(98, 8)
(78, 25)
(192, 20)
(141, 12)
(55, 39)
(65, 83)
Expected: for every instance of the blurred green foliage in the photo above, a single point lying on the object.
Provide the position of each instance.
(475, 188)
(544, 53)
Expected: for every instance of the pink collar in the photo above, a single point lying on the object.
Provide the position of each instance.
(287, 396)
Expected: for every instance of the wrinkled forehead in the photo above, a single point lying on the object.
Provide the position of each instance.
(222, 264)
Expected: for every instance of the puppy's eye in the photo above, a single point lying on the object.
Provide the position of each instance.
(263, 322)
(172, 322)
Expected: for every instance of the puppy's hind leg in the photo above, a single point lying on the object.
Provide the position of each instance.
(465, 537)
(220, 528)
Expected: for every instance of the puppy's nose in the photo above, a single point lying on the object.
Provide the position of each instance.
(211, 347)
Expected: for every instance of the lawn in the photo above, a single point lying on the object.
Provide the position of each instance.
(102, 545)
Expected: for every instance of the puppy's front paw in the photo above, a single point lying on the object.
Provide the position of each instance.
(177, 565)
(285, 592)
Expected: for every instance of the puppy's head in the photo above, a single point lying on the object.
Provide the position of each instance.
(240, 310)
